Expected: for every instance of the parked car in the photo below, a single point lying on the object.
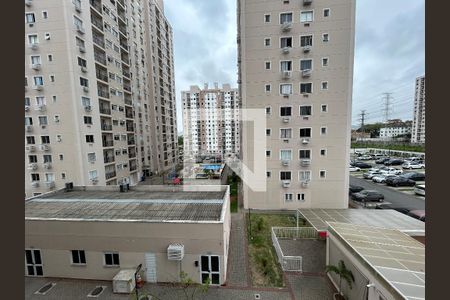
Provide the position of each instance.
(370, 174)
(354, 169)
(414, 176)
(391, 171)
(400, 181)
(382, 160)
(419, 189)
(367, 196)
(362, 165)
(413, 165)
(418, 214)
(402, 210)
(365, 157)
(354, 189)
(393, 162)
(381, 178)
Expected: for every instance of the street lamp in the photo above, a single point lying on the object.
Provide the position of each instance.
(135, 281)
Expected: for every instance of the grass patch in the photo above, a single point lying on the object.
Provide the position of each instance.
(233, 204)
(264, 266)
(233, 181)
(398, 147)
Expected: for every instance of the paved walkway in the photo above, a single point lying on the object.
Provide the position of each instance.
(312, 251)
(237, 272)
(310, 287)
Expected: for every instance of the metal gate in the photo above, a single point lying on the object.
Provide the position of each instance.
(150, 263)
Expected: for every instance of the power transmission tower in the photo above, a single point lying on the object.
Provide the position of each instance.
(362, 119)
(387, 106)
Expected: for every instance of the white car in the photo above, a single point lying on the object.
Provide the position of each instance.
(413, 165)
(419, 189)
(391, 171)
(366, 157)
(380, 178)
(354, 169)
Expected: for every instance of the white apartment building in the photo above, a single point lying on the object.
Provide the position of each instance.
(391, 132)
(211, 121)
(99, 95)
(418, 128)
(296, 62)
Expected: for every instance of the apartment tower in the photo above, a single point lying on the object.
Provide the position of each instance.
(211, 121)
(296, 64)
(418, 127)
(99, 93)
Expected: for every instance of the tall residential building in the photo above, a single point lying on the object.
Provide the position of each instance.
(99, 93)
(296, 63)
(211, 121)
(418, 127)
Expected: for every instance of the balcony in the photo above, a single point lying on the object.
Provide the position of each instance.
(96, 21)
(131, 142)
(108, 143)
(97, 4)
(106, 127)
(101, 73)
(102, 90)
(98, 40)
(108, 159)
(105, 109)
(110, 175)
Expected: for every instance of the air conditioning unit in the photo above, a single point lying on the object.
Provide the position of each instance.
(35, 183)
(85, 89)
(45, 147)
(286, 74)
(124, 282)
(50, 184)
(33, 46)
(286, 119)
(305, 162)
(94, 180)
(27, 108)
(87, 108)
(36, 66)
(286, 50)
(84, 69)
(42, 107)
(306, 49)
(305, 183)
(175, 251)
(285, 163)
(38, 87)
(30, 148)
(306, 73)
(286, 183)
(285, 95)
(32, 166)
(48, 166)
(307, 2)
(82, 49)
(29, 128)
(305, 141)
(305, 117)
(286, 26)
(28, 2)
(80, 29)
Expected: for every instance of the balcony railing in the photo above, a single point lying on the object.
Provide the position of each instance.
(103, 93)
(106, 127)
(108, 159)
(96, 4)
(98, 41)
(110, 175)
(101, 58)
(97, 22)
(109, 143)
(131, 142)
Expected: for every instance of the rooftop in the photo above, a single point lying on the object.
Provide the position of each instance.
(385, 218)
(394, 257)
(140, 204)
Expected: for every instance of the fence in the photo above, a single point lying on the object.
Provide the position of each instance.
(291, 263)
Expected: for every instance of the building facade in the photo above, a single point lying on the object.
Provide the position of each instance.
(211, 121)
(396, 130)
(296, 64)
(418, 127)
(99, 93)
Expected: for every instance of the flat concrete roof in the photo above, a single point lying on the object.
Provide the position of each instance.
(392, 256)
(384, 218)
(140, 204)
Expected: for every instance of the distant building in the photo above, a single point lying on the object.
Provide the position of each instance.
(395, 128)
(95, 232)
(211, 121)
(359, 136)
(418, 127)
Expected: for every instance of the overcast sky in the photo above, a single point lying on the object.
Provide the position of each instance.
(389, 51)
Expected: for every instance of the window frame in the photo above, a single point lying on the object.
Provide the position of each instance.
(326, 130)
(300, 110)
(285, 171)
(287, 150)
(283, 13)
(286, 138)
(312, 88)
(329, 12)
(288, 200)
(310, 132)
(322, 86)
(267, 39)
(286, 106)
(72, 262)
(308, 151)
(307, 11)
(270, 18)
(328, 61)
(113, 265)
(306, 35)
(287, 37)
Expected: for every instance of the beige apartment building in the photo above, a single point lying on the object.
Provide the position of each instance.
(211, 121)
(418, 127)
(96, 232)
(296, 63)
(99, 93)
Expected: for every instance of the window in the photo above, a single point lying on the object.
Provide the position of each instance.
(323, 152)
(286, 89)
(43, 120)
(325, 37)
(304, 154)
(305, 132)
(33, 39)
(85, 101)
(286, 133)
(92, 174)
(306, 16)
(87, 120)
(306, 40)
(286, 65)
(47, 158)
(285, 1)
(267, 18)
(61, 157)
(323, 130)
(28, 121)
(112, 259)
(268, 110)
(324, 85)
(35, 60)
(285, 154)
(305, 110)
(267, 42)
(285, 175)
(52, 78)
(89, 138)
(285, 18)
(91, 157)
(324, 108)
(267, 65)
(79, 42)
(30, 140)
(326, 12)
(268, 88)
(268, 153)
(82, 62)
(32, 159)
(27, 101)
(84, 82)
(45, 139)
(30, 18)
(47, 36)
(35, 177)
(323, 173)
(268, 174)
(77, 22)
(63, 176)
(304, 175)
(301, 197)
(285, 42)
(50, 57)
(305, 64)
(268, 132)
(305, 88)
(38, 80)
(288, 197)
(325, 62)
(45, 15)
(285, 111)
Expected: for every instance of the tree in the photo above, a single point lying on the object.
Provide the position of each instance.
(190, 288)
(343, 273)
(208, 172)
